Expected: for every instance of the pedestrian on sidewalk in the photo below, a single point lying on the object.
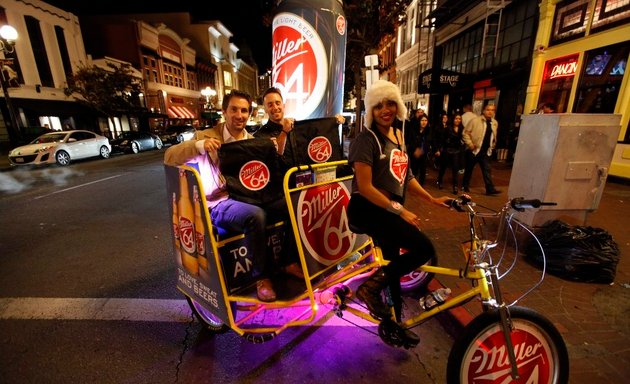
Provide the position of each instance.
(417, 142)
(480, 136)
(453, 150)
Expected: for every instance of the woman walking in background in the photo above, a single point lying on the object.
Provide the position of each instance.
(454, 150)
(417, 140)
(438, 140)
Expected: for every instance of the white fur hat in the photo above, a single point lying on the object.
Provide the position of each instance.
(379, 91)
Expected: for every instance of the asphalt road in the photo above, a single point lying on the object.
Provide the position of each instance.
(87, 295)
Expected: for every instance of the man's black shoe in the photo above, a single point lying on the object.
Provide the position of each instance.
(493, 192)
(466, 189)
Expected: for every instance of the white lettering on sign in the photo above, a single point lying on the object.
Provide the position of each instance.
(242, 264)
(426, 80)
(449, 79)
(285, 50)
(323, 222)
(563, 70)
(300, 64)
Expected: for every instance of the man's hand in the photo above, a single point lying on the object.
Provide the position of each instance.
(211, 145)
(287, 124)
(340, 118)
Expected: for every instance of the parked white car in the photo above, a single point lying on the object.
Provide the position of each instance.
(61, 148)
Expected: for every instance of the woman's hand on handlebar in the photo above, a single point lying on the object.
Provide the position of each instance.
(458, 203)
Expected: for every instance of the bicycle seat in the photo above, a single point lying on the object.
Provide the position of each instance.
(355, 229)
(360, 231)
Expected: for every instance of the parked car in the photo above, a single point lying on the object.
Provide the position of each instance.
(61, 147)
(175, 134)
(134, 142)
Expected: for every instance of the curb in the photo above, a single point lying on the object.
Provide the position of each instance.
(455, 319)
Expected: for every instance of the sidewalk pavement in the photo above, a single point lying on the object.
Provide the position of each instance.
(594, 319)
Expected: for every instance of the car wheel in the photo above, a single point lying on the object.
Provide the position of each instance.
(158, 144)
(63, 158)
(180, 138)
(104, 152)
(135, 148)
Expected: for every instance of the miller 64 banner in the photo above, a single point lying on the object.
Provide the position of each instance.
(309, 55)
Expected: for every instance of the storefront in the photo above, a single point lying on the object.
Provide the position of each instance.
(580, 65)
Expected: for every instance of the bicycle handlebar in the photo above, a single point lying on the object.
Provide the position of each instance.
(518, 203)
(459, 203)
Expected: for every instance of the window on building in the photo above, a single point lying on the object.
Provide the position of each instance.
(63, 50)
(557, 81)
(515, 40)
(173, 75)
(600, 81)
(227, 79)
(610, 13)
(569, 21)
(39, 51)
(149, 70)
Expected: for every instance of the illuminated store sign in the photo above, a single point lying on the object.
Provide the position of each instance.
(561, 67)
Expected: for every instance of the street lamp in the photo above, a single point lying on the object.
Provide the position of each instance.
(8, 35)
(208, 93)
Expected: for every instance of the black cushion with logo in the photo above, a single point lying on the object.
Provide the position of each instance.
(255, 183)
(302, 149)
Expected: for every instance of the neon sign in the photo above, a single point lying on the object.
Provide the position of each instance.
(563, 69)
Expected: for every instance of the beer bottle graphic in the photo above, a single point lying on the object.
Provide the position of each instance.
(186, 226)
(176, 240)
(200, 231)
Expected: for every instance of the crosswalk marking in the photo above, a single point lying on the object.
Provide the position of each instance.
(46, 308)
(118, 309)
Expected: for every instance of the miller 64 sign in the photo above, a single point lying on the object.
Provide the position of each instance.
(441, 81)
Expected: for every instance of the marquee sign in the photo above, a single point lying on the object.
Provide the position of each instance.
(438, 80)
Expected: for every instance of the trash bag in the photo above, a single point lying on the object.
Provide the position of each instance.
(577, 253)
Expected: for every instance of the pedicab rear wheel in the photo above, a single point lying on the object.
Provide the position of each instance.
(212, 322)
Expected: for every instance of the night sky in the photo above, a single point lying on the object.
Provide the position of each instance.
(239, 17)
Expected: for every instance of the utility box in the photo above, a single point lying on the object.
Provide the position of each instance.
(563, 158)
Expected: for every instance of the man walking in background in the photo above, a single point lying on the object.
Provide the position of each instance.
(480, 137)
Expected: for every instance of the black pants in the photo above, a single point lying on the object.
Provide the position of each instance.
(392, 233)
(454, 160)
(484, 162)
(419, 167)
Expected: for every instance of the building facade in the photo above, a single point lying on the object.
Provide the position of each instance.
(48, 49)
(414, 52)
(488, 43)
(581, 53)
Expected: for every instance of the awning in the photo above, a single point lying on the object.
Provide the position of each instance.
(179, 112)
(442, 81)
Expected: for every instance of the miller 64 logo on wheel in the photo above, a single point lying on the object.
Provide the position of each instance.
(309, 45)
